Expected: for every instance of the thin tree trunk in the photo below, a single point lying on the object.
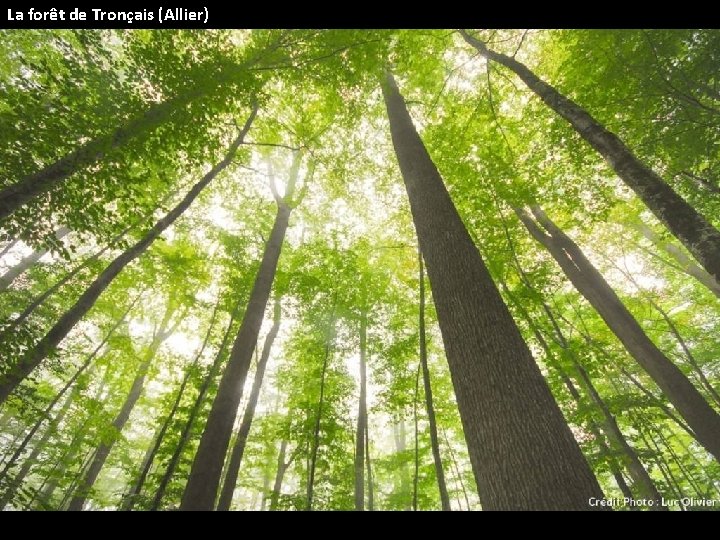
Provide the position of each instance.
(87, 461)
(662, 465)
(361, 421)
(15, 323)
(27, 262)
(186, 432)
(46, 412)
(691, 405)
(457, 470)
(442, 488)
(552, 361)
(321, 402)
(704, 382)
(279, 475)
(54, 174)
(523, 453)
(68, 457)
(29, 461)
(400, 436)
(86, 301)
(368, 463)
(685, 263)
(416, 470)
(228, 488)
(103, 450)
(129, 502)
(202, 487)
(693, 230)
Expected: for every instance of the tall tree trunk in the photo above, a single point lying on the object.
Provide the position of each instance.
(689, 356)
(46, 413)
(508, 432)
(202, 487)
(416, 470)
(53, 174)
(228, 488)
(691, 405)
(361, 421)
(641, 479)
(40, 446)
(685, 263)
(11, 244)
(553, 362)
(130, 500)
(86, 301)
(28, 262)
(321, 401)
(368, 463)
(444, 497)
(103, 450)
(15, 323)
(186, 433)
(279, 475)
(458, 474)
(693, 230)
(402, 473)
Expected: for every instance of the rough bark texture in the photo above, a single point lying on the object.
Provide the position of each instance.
(86, 301)
(27, 262)
(361, 422)
(430, 408)
(228, 488)
(693, 230)
(691, 405)
(103, 451)
(523, 453)
(202, 486)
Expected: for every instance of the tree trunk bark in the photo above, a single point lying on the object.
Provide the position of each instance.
(34, 184)
(361, 421)
(130, 500)
(228, 488)
(103, 451)
(524, 455)
(318, 417)
(693, 230)
(368, 463)
(553, 363)
(29, 461)
(691, 405)
(40, 299)
(186, 432)
(46, 413)
(27, 262)
(201, 490)
(442, 488)
(86, 301)
(684, 262)
(281, 468)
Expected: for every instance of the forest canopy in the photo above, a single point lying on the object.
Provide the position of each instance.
(359, 269)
